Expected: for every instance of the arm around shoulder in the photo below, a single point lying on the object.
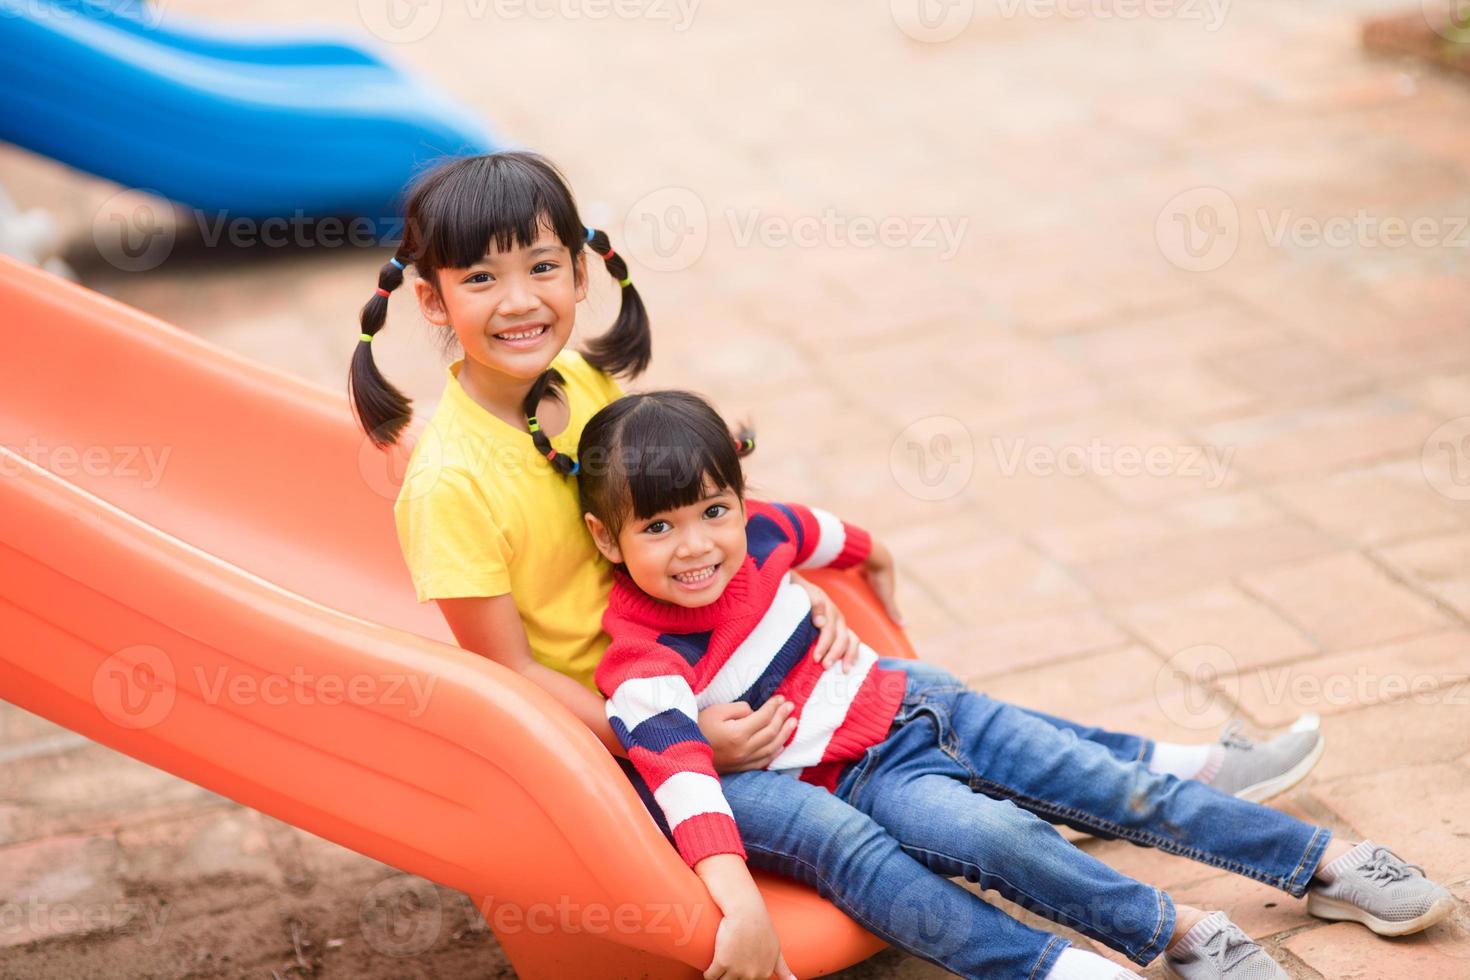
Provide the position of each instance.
(491, 626)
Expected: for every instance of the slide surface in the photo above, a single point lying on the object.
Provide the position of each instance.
(257, 128)
(198, 567)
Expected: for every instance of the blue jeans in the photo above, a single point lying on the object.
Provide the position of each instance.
(968, 784)
(960, 788)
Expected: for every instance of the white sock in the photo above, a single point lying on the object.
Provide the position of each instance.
(1329, 872)
(1078, 964)
(1201, 762)
(1202, 930)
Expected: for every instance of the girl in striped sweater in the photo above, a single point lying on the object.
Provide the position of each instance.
(703, 612)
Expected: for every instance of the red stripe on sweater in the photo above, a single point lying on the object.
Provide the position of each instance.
(857, 544)
(707, 834)
(656, 767)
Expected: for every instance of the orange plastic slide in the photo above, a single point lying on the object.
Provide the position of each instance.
(198, 567)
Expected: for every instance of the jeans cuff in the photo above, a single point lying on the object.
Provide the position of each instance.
(1161, 938)
(1296, 886)
(1048, 958)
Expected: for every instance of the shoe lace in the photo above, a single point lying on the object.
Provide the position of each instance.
(1386, 867)
(1232, 738)
(1229, 947)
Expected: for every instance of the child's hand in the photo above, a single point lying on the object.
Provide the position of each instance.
(883, 577)
(746, 947)
(742, 739)
(835, 642)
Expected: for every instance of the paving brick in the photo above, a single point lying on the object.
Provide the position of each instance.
(1439, 565)
(1224, 617)
(1427, 825)
(1373, 506)
(1324, 438)
(1425, 669)
(1347, 951)
(1344, 600)
(1376, 738)
(1200, 559)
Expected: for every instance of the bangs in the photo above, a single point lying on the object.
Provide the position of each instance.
(666, 454)
(500, 201)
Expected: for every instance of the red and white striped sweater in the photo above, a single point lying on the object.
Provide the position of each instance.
(666, 663)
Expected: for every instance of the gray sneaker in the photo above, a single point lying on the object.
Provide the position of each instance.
(1384, 893)
(1224, 953)
(1257, 771)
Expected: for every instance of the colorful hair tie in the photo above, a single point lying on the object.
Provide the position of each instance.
(394, 261)
(532, 423)
(365, 338)
(608, 254)
(746, 445)
(626, 282)
(381, 292)
(590, 233)
(576, 468)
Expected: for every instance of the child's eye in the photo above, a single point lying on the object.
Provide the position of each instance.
(543, 266)
(657, 527)
(478, 277)
(715, 510)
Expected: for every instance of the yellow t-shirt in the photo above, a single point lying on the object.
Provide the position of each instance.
(481, 513)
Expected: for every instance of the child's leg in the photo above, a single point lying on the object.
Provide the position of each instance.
(1124, 746)
(999, 846)
(802, 831)
(1011, 754)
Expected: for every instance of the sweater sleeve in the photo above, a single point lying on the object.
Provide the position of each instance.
(653, 712)
(824, 540)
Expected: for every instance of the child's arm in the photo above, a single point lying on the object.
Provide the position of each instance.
(491, 627)
(824, 540)
(652, 707)
(653, 711)
(746, 946)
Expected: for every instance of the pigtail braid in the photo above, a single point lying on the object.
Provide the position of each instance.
(744, 437)
(550, 382)
(381, 409)
(627, 347)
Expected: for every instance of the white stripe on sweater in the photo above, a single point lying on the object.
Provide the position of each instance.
(831, 536)
(638, 699)
(688, 794)
(825, 711)
(790, 606)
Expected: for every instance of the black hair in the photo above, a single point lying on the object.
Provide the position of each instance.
(657, 451)
(452, 214)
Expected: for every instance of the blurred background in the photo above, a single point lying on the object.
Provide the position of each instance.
(1137, 328)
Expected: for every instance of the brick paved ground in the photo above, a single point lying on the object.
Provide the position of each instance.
(1181, 242)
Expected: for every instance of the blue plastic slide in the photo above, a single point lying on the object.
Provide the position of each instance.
(255, 128)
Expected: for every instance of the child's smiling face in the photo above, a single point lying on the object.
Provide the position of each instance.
(685, 556)
(512, 311)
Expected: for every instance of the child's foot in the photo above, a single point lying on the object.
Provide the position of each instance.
(1079, 964)
(1257, 771)
(1372, 885)
(1216, 949)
